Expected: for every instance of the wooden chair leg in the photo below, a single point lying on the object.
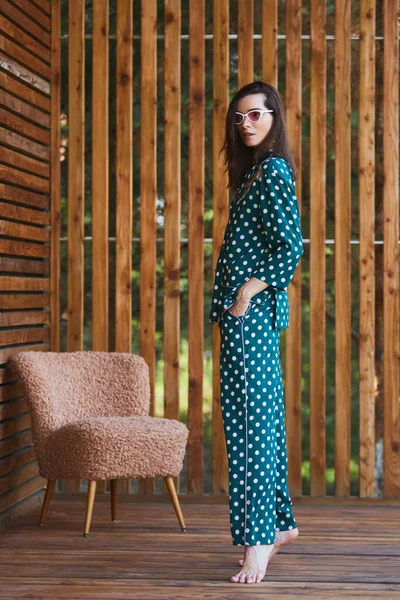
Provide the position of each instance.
(114, 498)
(169, 481)
(46, 501)
(89, 506)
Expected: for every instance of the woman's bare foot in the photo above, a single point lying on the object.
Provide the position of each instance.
(255, 564)
(281, 538)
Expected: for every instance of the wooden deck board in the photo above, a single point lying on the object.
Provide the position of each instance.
(342, 552)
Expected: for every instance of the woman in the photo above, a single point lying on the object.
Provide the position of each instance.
(261, 249)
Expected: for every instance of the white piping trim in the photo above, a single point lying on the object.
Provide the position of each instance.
(245, 479)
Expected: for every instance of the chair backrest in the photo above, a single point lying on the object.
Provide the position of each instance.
(61, 387)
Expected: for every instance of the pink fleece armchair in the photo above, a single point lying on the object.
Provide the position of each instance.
(90, 420)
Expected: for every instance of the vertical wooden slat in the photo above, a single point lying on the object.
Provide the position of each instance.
(317, 248)
(100, 177)
(293, 334)
(196, 243)
(269, 50)
(342, 248)
(76, 177)
(124, 178)
(148, 194)
(55, 178)
(100, 181)
(245, 42)
(221, 211)
(124, 185)
(172, 209)
(366, 137)
(391, 250)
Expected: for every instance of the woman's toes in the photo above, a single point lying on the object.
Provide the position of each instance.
(235, 578)
(242, 578)
(260, 576)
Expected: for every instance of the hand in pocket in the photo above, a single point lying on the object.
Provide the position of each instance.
(239, 308)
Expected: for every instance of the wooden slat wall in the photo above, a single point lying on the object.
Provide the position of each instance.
(391, 440)
(221, 213)
(172, 209)
(76, 172)
(196, 243)
(100, 177)
(317, 249)
(148, 194)
(55, 187)
(124, 178)
(270, 37)
(124, 183)
(30, 201)
(25, 67)
(76, 182)
(366, 201)
(245, 42)
(293, 343)
(342, 248)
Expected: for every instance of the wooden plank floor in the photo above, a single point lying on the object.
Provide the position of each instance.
(341, 552)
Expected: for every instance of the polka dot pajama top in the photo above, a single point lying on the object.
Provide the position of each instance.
(262, 239)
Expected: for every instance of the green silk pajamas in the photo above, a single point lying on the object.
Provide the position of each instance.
(253, 415)
(263, 240)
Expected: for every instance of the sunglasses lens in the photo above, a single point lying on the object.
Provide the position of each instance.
(254, 115)
(239, 118)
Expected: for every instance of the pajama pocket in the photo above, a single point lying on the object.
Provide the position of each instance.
(282, 310)
(279, 301)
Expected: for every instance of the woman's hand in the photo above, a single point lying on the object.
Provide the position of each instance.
(245, 292)
(239, 308)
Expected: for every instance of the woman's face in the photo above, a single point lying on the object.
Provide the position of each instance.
(252, 133)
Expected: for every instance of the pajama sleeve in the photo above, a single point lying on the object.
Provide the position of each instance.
(280, 218)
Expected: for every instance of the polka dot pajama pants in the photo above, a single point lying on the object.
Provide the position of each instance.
(253, 415)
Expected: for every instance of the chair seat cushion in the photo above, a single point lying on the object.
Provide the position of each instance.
(99, 448)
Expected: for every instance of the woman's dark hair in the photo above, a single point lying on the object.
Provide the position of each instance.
(238, 157)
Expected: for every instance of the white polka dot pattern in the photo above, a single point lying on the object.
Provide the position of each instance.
(252, 405)
(262, 239)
